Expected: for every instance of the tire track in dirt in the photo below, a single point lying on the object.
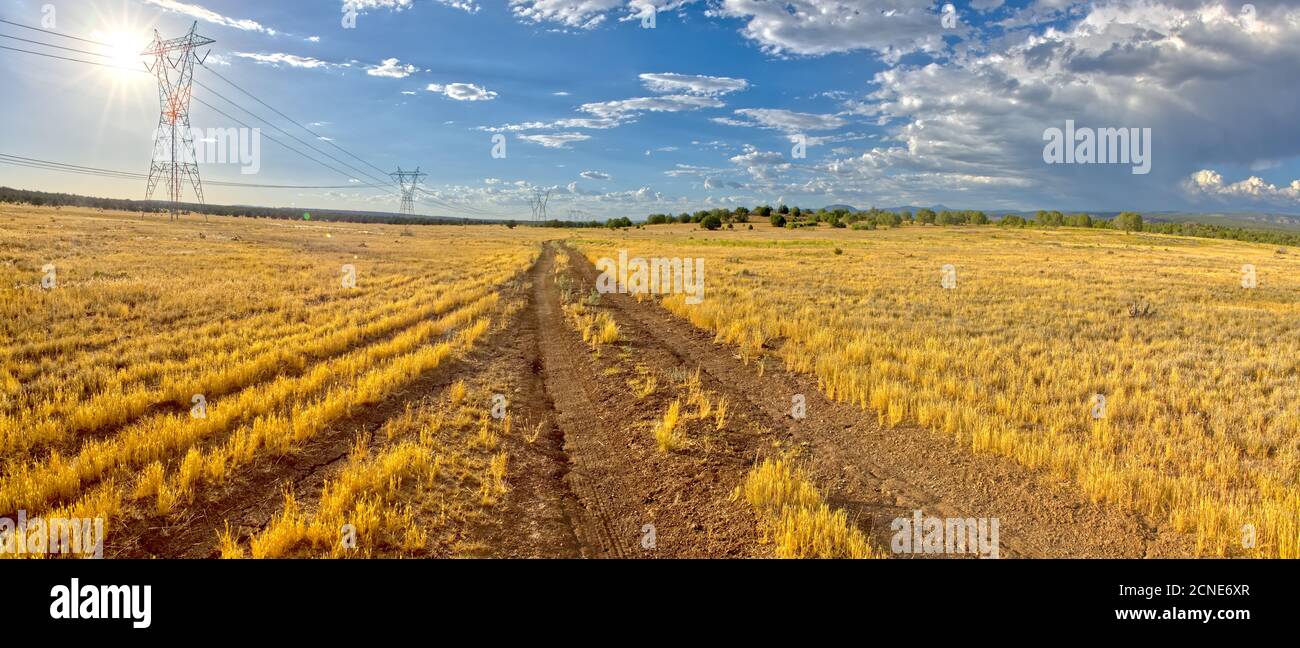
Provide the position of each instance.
(877, 473)
(533, 520)
(617, 473)
(568, 390)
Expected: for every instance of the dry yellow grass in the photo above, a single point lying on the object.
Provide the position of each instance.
(393, 500)
(795, 519)
(1201, 419)
(668, 432)
(163, 361)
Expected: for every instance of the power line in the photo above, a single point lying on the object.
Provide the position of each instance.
(474, 211)
(69, 49)
(295, 137)
(218, 110)
(17, 160)
(290, 119)
(53, 33)
(467, 210)
(65, 58)
(327, 166)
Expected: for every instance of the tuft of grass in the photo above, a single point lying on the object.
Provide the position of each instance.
(668, 432)
(644, 386)
(797, 521)
(494, 481)
(607, 331)
(457, 393)
(230, 547)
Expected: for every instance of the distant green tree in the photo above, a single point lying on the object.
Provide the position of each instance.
(711, 222)
(1078, 220)
(1129, 222)
(777, 220)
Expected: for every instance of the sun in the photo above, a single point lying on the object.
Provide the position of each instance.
(122, 47)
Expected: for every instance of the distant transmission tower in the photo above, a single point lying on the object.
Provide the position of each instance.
(409, 180)
(538, 203)
(173, 145)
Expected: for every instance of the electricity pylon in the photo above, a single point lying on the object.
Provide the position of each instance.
(173, 144)
(538, 203)
(408, 180)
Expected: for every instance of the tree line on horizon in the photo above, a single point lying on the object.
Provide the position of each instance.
(711, 219)
(871, 219)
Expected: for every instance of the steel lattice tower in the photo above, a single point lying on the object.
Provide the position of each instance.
(409, 181)
(174, 161)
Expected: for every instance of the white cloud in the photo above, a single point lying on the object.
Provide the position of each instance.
(292, 60)
(463, 91)
(580, 14)
(392, 69)
(594, 175)
(627, 108)
(1213, 90)
(667, 82)
(207, 15)
(1209, 183)
(891, 28)
(555, 140)
(787, 120)
(365, 5)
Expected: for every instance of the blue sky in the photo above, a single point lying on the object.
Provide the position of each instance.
(893, 104)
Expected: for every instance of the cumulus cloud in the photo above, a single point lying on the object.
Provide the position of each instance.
(392, 69)
(594, 175)
(579, 14)
(891, 28)
(462, 91)
(1212, 88)
(1209, 184)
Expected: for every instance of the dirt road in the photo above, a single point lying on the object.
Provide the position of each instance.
(592, 483)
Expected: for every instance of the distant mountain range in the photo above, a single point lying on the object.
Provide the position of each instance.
(1254, 220)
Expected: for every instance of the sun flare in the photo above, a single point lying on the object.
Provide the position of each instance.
(122, 48)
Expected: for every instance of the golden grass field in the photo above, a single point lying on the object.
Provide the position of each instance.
(101, 374)
(1201, 416)
(101, 370)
